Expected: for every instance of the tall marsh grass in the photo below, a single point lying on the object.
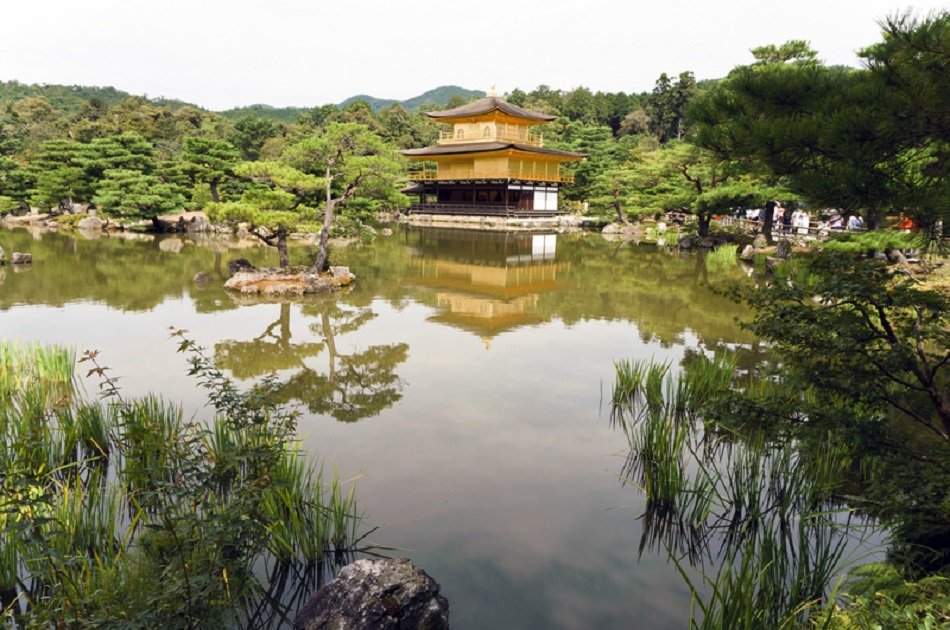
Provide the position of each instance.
(723, 257)
(126, 512)
(763, 516)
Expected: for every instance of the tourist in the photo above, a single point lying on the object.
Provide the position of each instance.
(804, 221)
(836, 222)
(905, 224)
(855, 223)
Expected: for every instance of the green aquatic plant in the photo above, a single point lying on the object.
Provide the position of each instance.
(723, 257)
(878, 596)
(763, 514)
(123, 511)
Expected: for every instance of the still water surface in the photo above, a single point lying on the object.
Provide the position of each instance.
(463, 381)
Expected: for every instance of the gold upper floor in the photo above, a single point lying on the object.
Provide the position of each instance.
(490, 131)
(496, 166)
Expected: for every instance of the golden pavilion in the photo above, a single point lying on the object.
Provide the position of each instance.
(491, 162)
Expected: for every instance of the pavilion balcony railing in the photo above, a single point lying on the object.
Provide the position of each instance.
(509, 135)
(469, 174)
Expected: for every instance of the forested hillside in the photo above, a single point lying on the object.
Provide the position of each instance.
(70, 99)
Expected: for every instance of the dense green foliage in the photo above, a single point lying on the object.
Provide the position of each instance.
(879, 597)
(869, 141)
(45, 141)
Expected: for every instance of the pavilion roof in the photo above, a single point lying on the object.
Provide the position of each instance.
(490, 104)
(482, 147)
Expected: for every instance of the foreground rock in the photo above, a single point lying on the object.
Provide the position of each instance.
(291, 281)
(377, 595)
(3, 257)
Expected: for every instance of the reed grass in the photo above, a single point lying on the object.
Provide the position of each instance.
(723, 257)
(122, 511)
(765, 515)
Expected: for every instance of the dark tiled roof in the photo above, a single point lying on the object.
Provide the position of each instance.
(482, 147)
(488, 104)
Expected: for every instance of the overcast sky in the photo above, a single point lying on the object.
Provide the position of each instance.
(312, 52)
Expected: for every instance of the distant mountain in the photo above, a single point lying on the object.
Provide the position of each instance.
(374, 103)
(69, 99)
(436, 98)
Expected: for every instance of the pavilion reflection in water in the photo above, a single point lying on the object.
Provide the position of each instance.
(485, 282)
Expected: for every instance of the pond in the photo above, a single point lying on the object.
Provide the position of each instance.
(463, 383)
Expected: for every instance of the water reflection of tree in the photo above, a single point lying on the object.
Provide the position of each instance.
(355, 385)
(269, 352)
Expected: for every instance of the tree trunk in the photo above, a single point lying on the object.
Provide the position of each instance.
(213, 184)
(283, 257)
(320, 264)
(767, 221)
(619, 211)
(704, 220)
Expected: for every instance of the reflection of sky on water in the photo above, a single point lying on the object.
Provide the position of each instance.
(499, 475)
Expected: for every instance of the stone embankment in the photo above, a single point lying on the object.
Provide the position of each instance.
(91, 223)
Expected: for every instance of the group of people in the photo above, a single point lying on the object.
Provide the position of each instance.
(836, 221)
(797, 220)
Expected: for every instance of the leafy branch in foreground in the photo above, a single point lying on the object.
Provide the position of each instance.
(852, 329)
